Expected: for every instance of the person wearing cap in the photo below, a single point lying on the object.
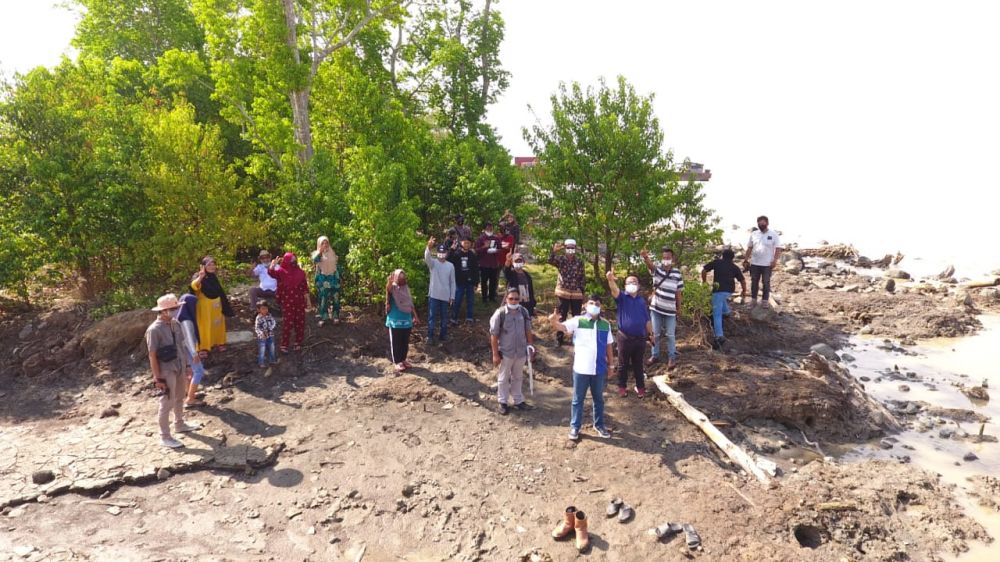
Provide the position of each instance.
(668, 285)
(267, 284)
(441, 292)
(723, 286)
(634, 329)
(462, 230)
(169, 363)
(763, 252)
(569, 283)
(488, 249)
(516, 277)
(451, 240)
(511, 342)
(466, 264)
(293, 294)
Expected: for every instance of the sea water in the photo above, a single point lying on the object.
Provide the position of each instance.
(942, 365)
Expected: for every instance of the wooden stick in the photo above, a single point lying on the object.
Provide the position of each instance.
(748, 500)
(738, 455)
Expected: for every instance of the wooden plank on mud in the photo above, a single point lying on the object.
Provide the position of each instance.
(693, 415)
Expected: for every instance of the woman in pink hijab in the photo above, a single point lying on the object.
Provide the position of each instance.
(400, 317)
(293, 295)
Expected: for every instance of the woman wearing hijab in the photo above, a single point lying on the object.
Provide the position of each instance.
(400, 317)
(212, 307)
(187, 316)
(327, 280)
(293, 295)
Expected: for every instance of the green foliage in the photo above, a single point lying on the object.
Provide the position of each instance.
(121, 300)
(139, 30)
(697, 300)
(195, 202)
(605, 179)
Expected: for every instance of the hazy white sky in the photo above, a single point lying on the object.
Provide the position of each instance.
(875, 122)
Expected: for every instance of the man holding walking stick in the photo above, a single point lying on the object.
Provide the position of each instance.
(511, 341)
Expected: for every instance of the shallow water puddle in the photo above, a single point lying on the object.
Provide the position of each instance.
(932, 372)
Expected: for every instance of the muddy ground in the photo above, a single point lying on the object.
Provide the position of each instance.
(421, 467)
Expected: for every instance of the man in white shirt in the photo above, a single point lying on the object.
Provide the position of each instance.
(268, 284)
(763, 250)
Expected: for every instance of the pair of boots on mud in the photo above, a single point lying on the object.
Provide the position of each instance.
(573, 521)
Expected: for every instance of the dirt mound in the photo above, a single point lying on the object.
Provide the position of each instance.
(116, 335)
(404, 388)
(878, 509)
(820, 398)
(987, 490)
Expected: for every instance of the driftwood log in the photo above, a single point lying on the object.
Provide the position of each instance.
(735, 453)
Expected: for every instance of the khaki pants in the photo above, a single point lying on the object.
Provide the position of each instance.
(172, 399)
(510, 379)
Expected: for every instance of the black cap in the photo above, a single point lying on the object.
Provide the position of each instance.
(442, 248)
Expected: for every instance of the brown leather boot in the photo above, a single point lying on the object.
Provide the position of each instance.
(582, 537)
(566, 527)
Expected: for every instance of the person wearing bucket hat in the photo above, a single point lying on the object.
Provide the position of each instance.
(268, 285)
(168, 363)
(569, 283)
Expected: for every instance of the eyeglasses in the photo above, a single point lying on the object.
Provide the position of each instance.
(513, 299)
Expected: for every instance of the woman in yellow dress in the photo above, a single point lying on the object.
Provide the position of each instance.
(212, 308)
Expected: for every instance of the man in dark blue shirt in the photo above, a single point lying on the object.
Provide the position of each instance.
(634, 329)
(723, 286)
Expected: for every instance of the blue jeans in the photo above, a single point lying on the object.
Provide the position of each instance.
(266, 345)
(720, 307)
(580, 385)
(438, 313)
(669, 323)
(466, 291)
(197, 369)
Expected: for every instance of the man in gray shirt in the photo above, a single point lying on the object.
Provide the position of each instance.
(511, 339)
(441, 290)
(169, 362)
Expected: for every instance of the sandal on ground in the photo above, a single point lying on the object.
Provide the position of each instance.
(626, 513)
(668, 530)
(320, 323)
(692, 537)
(399, 367)
(407, 365)
(614, 506)
(196, 403)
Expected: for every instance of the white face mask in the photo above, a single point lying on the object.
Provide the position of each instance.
(518, 265)
(442, 255)
(631, 288)
(571, 251)
(489, 233)
(593, 310)
(667, 263)
(513, 306)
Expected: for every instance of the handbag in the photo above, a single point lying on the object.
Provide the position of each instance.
(166, 353)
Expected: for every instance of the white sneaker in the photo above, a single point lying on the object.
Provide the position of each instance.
(185, 428)
(170, 442)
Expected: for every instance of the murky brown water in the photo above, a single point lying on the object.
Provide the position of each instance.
(940, 366)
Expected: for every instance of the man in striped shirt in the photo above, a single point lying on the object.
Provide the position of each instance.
(668, 285)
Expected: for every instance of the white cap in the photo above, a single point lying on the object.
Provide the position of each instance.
(569, 242)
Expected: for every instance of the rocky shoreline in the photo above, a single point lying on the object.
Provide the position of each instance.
(333, 419)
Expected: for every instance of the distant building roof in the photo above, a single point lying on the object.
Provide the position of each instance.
(525, 161)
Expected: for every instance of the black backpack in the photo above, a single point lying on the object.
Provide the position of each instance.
(503, 314)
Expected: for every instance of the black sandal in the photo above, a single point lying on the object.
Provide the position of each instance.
(668, 530)
(625, 514)
(614, 506)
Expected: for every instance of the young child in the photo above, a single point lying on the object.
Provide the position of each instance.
(264, 325)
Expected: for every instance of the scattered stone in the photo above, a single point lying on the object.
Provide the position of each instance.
(354, 494)
(946, 433)
(847, 357)
(890, 286)
(976, 392)
(896, 273)
(109, 412)
(24, 551)
(904, 388)
(311, 531)
(162, 474)
(969, 457)
(885, 444)
(115, 510)
(293, 512)
(826, 351)
(25, 332)
(42, 477)
(409, 490)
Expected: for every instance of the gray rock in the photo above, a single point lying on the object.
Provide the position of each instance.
(969, 457)
(162, 474)
(25, 332)
(409, 489)
(42, 477)
(904, 388)
(885, 444)
(847, 357)
(947, 273)
(896, 273)
(793, 267)
(946, 433)
(826, 351)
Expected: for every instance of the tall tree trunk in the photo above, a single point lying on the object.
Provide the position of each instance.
(299, 98)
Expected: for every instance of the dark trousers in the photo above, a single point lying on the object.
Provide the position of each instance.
(631, 350)
(760, 273)
(399, 344)
(466, 292)
(488, 277)
(571, 306)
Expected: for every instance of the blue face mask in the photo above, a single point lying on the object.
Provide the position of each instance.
(593, 310)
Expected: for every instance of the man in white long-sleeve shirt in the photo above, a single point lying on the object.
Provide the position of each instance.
(441, 292)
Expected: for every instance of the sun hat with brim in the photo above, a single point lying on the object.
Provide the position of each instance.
(569, 242)
(166, 302)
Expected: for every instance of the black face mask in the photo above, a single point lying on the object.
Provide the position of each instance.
(762, 227)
